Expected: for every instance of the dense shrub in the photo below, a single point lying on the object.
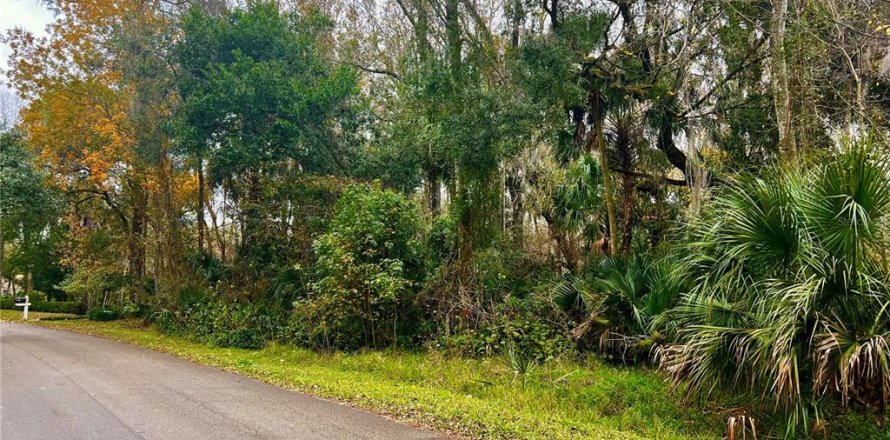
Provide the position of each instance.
(250, 338)
(222, 322)
(793, 292)
(441, 241)
(210, 268)
(167, 321)
(103, 314)
(96, 286)
(526, 335)
(71, 307)
(530, 327)
(368, 265)
(463, 293)
(622, 304)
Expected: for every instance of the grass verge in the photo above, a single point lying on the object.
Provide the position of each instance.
(477, 398)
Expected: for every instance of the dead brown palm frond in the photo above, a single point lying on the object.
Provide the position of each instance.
(819, 428)
(740, 425)
(855, 365)
(786, 382)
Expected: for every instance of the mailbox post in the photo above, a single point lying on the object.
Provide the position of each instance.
(25, 305)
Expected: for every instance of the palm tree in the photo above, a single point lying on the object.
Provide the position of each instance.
(623, 301)
(793, 287)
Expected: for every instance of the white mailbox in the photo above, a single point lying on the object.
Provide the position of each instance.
(24, 304)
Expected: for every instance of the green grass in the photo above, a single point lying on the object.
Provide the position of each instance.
(16, 315)
(474, 398)
(477, 398)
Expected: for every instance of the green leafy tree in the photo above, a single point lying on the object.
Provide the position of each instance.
(575, 102)
(368, 268)
(28, 212)
(260, 98)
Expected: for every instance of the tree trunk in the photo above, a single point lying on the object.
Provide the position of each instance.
(779, 79)
(2, 245)
(625, 147)
(172, 232)
(665, 140)
(515, 22)
(553, 12)
(217, 234)
(434, 196)
(434, 193)
(514, 188)
(600, 141)
(452, 33)
(136, 245)
(421, 32)
(563, 244)
(200, 214)
(628, 193)
(137, 239)
(252, 213)
(513, 180)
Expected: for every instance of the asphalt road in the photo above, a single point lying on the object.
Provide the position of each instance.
(62, 385)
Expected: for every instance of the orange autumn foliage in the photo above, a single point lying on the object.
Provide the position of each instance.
(78, 119)
(81, 129)
(89, 122)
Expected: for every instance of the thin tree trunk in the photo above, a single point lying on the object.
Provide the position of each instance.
(553, 12)
(200, 214)
(625, 147)
(779, 79)
(452, 33)
(216, 233)
(515, 21)
(628, 190)
(434, 193)
(600, 141)
(513, 180)
(222, 242)
(434, 199)
(137, 239)
(136, 235)
(514, 188)
(172, 232)
(563, 244)
(2, 245)
(422, 31)
(252, 214)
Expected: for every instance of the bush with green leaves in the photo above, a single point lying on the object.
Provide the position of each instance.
(103, 314)
(793, 288)
(71, 307)
(98, 286)
(222, 322)
(30, 233)
(42, 305)
(622, 304)
(368, 265)
(530, 327)
(441, 242)
(526, 335)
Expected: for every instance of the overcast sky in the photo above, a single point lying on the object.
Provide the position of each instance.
(27, 14)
